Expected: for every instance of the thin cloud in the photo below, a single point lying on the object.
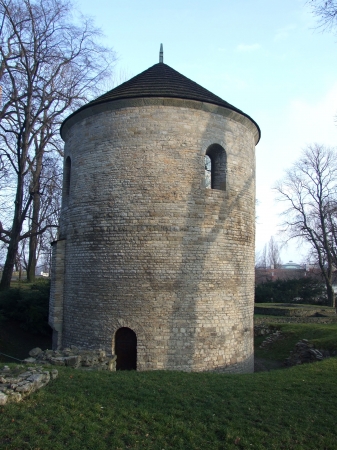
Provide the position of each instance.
(284, 32)
(314, 122)
(248, 47)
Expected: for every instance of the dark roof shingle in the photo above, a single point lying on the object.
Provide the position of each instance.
(161, 80)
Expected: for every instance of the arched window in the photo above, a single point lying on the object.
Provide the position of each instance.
(67, 177)
(208, 171)
(126, 349)
(216, 167)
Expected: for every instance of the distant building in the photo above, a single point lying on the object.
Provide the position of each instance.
(284, 272)
(289, 271)
(292, 266)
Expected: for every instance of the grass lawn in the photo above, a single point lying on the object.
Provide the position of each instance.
(292, 408)
(294, 306)
(323, 336)
(284, 409)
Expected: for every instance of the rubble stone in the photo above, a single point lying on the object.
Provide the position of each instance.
(30, 360)
(273, 337)
(3, 398)
(14, 387)
(35, 351)
(262, 330)
(16, 397)
(304, 352)
(75, 357)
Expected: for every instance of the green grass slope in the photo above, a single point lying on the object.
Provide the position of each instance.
(284, 409)
(322, 336)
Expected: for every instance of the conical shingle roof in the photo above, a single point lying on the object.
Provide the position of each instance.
(161, 80)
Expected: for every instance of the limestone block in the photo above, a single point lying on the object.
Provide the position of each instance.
(3, 398)
(72, 361)
(15, 397)
(57, 361)
(25, 388)
(35, 351)
(29, 360)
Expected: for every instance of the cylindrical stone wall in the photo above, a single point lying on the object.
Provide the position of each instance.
(147, 246)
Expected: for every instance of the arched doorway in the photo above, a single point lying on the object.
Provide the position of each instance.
(126, 349)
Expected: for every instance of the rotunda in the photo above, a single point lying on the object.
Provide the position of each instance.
(152, 264)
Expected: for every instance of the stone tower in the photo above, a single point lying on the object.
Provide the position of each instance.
(150, 264)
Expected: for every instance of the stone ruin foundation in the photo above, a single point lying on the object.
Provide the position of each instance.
(73, 357)
(18, 383)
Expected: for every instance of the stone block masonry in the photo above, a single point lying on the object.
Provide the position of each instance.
(73, 357)
(147, 247)
(16, 384)
(56, 292)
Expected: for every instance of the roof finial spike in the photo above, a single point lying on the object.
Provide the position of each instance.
(161, 54)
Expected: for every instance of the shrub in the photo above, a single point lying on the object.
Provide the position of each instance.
(28, 305)
(295, 290)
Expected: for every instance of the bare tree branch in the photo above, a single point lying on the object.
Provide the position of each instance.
(48, 68)
(326, 13)
(309, 191)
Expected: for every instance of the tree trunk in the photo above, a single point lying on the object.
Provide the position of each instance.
(34, 228)
(331, 295)
(31, 267)
(10, 261)
(19, 215)
(327, 274)
(32, 257)
(14, 241)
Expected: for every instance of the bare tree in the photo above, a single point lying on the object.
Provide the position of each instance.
(49, 66)
(119, 76)
(326, 12)
(45, 209)
(261, 261)
(309, 189)
(269, 256)
(332, 227)
(274, 258)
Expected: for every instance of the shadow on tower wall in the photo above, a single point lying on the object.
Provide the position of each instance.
(211, 317)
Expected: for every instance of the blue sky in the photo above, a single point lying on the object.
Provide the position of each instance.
(266, 57)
